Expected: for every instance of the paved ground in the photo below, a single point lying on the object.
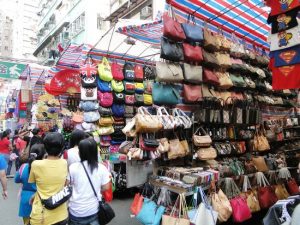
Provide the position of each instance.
(9, 208)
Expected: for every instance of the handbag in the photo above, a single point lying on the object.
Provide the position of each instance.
(168, 121)
(119, 98)
(164, 145)
(171, 50)
(237, 80)
(182, 218)
(210, 77)
(266, 194)
(150, 213)
(223, 59)
(139, 88)
(117, 86)
(192, 74)
(57, 199)
(176, 149)
(118, 110)
(250, 83)
(172, 28)
(250, 195)
(105, 111)
(169, 72)
(77, 117)
(165, 94)
(105, 99)
(129, 87)
(128, 71)
(192, 32)
(107, 130)
(104, 70)
(88, 94)
(207, 153)
(129, 99)
(137, 204)
(148, 99)
(281, 192)
(139, 99)
(293, 187)
(221, 204)
(210, 40)
(104, 86)
(145, 122)
(90, 117)
(117, 71)
(260, 164)
(88, 106)
(210, 59)
(138, 73)
(224, 80)
(192, 93)
(192, 53)
(105, 212)
(201, 138)
(260, 141)
(182, 119)
(106, 121)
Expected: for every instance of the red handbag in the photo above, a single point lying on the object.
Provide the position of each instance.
(293, 187)
(192, 93)
(117, 71)
(192, 53)
(240, 210)
(138, 73)
(210, 77)
(265, 193)
(105, 99)
(137, 204)
(172, 28)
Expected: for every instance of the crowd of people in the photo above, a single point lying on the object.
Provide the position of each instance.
(50, 169)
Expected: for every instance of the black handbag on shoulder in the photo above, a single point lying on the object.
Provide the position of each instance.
(105, 213)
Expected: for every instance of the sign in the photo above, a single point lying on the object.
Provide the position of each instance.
(11, 70)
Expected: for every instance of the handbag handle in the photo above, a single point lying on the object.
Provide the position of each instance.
(284, 173)
(200, 131)
(162, 111)
(261, 179)
(246, 184)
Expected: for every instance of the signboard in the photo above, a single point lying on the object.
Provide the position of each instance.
(11, 70)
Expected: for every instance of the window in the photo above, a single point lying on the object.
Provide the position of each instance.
(99, 22)
(6, 48)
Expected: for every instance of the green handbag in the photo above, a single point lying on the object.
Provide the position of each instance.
(165, 94)
(237, 80)
(117, 86)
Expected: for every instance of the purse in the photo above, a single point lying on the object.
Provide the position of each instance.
(129, 87)
(147, 123)
(104, 86)
(139, 99)
(260, 164)
(105, 99)
(181, 119)
(106, 121)
(192, 53)
(176, 149)
(138, 73)
(118, 110)
(260, 141)
(192, 74)
(172, 28)
(265, 192)
(169, 72)
(88, 106)
(129, 99)
(148, 99)
(150, 213)
(108, 130)
(128, 71)
(105, 111)
(250, 195)
(221, 205)
(119, 98)
(210, 77)
(201, 138)
(168, 121)
(164, 145)
(104, 70)
(105, 212)
(171, 50)
(117, 86)
(223, 59)
(117, 71)
(90, 117)
(224, 80)
(88, 94)
(192, 93)
(210, 40)
(139, 88)
(207, 153)
(88, 74)
(237, 80)
(165, 94)
(77, 117)
(192, 32)
(210, 59)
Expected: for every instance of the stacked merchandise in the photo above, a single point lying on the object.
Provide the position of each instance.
(284, 47)
(227, 83)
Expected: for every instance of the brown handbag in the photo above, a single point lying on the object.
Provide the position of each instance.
(145, 122)
(207, 153)
(250, 195)
(281, 191)
(210, 77)
(210, 58)
(223, 59)
(192, 93)
(211, 41)
(176, 149)
(164, 145)
(224, 81)
(260, 141)
(185, 146)
(221, 204)
(201, 138)
(206, 93)
(260, 164)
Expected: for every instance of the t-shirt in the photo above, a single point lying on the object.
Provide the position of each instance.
(20, 144)
(50, 177)
(4, 146)
(83, 201)
(73, 155)
(36, 140)
(3, 163)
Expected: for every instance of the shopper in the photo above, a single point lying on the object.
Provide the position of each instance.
(3, 166)
(14, 156)
(50, 177)
(36, 138)
(72, 155)
(83, 205)
(5, 149)
(37, 152)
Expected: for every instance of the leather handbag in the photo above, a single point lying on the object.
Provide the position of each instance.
(260, 141)
(105, 99)
(192, 53)
(223, 59)
(210, 40)
(192, 93)
(104, 70)
(250, 195)
(117, 71)
(281, 192)
(145, 122)
(221, 205)
(171, 50)
(237, 80)
(172, 28)
(260, 164)
(210, 77)
(224, 80)
(206, 153)
(192, 32)
(293, 187)
(210, 58)
(201, 138)
(265, 192)
(169, 72)
(168, 121)
(192, 74)
(165, 94)
(176, 150)
(249, 83)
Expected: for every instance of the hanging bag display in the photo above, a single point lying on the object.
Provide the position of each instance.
(266, 193)
(104, 70)
(192, 73)
(192, 32)
(165, 94)
(192, 53)
(172, 28)
(192, 93)
(128, 71)
(117, 71)
(171, 50)
(169, 72)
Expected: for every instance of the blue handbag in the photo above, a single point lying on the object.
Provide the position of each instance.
(165, 94)
(118, 110)
(150, 213)
(88, 106)
(104, 86)
(192, 32)
(286, 57)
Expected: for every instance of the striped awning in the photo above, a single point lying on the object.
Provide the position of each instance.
(71, 56)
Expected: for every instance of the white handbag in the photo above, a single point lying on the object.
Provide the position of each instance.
(285, 39)
(167, 120)
(88, 94)
(192, 74)
(181, 119)
(169, 72)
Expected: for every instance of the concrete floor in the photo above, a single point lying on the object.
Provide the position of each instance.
(9, 208)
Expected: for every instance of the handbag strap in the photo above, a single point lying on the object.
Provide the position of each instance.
(162, 111)
(95, 193)
(261, 179)
(284, 173)
(246, 184)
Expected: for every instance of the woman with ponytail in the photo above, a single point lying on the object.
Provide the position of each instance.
(37, 152)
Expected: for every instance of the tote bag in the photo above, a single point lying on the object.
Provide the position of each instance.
(285, 39)
(169, 72)
(104, 70)
(165, 94)
(192, 74)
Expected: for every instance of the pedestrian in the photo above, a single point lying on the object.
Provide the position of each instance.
(83, 204)
(37, 152)
(36, 138)
(14, 156)
(50, 176)
(3, 179)
(5, 150)
(72, 155)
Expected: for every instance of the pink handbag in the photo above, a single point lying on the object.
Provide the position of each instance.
(105, 99)
(241, 211)
(117, 71)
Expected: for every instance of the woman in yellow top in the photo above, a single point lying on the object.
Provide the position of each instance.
(50, 177)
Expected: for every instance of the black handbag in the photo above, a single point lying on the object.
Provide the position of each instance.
(171, 50)
(105, 111)
(119, 98)
(105, 213)
(150, 141)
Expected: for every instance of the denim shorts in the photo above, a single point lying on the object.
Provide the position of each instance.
(88, 220)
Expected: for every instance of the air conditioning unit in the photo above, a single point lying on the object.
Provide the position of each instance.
(66, 35)
(146, 12)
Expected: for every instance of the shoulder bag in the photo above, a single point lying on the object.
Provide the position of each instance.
(104, 86)
(201, 138)
(117, 86)
(192, 32)
(138, 73)
(169, 72)
(176, 149)
(221, 204)
(250, 195)
(165, 94)
(105, 212)
(260, 164)
(206, 153)
(145, 122)
(171, 50)
(117, 71)
(192, 53)
(260, 141)
(104, 70)
(128, 70)
(192, 73)
(224, 80)
(192, 93)
(167, 120)
(266, 193)
(210, 40)
(210, 77)
(172, 28)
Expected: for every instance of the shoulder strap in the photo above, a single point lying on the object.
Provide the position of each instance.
(95, 193)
